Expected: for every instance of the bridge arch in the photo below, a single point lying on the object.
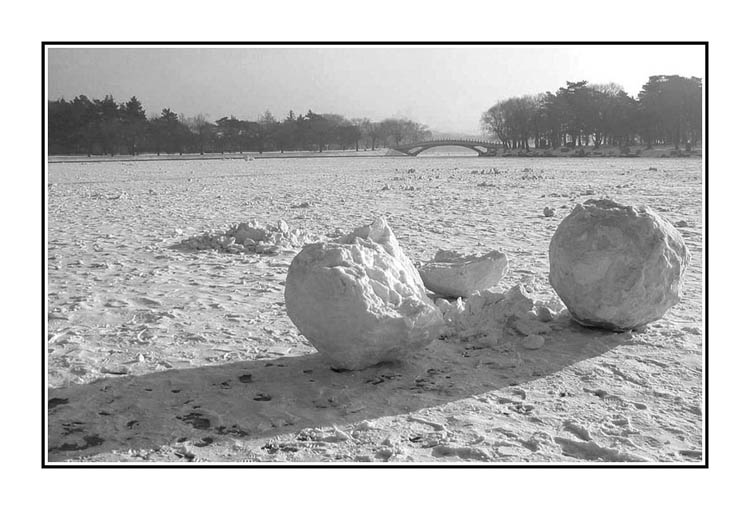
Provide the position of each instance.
(481, 147)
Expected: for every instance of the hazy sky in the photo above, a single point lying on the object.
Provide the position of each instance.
(445, 87)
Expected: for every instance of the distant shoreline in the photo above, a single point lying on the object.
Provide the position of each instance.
(635, 151)
(563, 152)
(211, 157)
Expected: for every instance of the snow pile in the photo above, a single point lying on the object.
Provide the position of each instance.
(487, 171)
(251, 238)
(531, 174)
(359, 300)
(490, 317)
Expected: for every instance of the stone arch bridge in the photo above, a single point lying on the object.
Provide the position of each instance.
(482, 147)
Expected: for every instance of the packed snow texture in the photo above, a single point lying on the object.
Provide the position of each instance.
(490, 318)
(359, 300)
(250, 238)
(616, 266)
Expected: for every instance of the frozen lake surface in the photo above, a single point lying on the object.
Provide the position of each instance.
(165, 355)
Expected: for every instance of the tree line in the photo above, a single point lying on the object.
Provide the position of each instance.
(667, 111)
(103, 126)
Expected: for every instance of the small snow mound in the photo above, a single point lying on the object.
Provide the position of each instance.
(533, 342)
(530, 174)
(490, 317)
(250, 237)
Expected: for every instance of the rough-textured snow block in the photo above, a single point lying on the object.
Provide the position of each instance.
(359, 300)
(616, 266)
(490, 316)
(455, 274)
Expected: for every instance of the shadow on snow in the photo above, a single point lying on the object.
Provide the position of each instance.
(264, 398)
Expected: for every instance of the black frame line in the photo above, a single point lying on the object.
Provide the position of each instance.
(705, 158)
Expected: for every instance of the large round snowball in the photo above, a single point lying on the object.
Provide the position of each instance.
(616, 266)
(359, 300)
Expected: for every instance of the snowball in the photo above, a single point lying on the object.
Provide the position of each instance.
(359, 300)
(616, 266)
(455, 274)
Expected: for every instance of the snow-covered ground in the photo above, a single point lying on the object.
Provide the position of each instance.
(159, 353)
